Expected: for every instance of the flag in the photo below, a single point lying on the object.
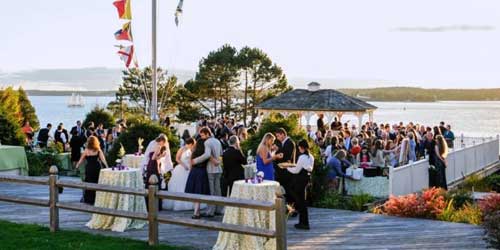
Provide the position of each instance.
(123, 7)
(126, 54)
(125, 33)
(178, 12)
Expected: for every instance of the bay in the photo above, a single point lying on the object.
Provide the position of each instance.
(473, 119)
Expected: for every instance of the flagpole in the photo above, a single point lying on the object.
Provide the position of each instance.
(154, 101)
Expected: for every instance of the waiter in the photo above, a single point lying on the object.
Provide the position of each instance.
(286, 146)
(300, 178)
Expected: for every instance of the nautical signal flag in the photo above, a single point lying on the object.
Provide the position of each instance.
(178, 12)
(127, 54)
(125, 33)
(123, 7)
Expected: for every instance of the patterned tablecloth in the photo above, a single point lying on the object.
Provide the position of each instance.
(265, 191)
(132, 161)
(127, 178)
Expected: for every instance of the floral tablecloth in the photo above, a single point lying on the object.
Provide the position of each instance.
(126, 178)
(374, 186)
(132, 161)
(265, 191)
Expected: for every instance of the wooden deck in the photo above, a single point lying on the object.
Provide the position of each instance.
(331, 229)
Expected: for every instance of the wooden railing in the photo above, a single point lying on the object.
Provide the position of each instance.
(152, 215)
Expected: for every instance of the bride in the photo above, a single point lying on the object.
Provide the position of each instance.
(179, 177)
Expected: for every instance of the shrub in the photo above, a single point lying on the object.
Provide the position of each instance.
(493, 182)
(490, 204)
(332, 200)
(318, 186)
(39, 163)
(476, 183)
(357, 202)
(470, 214)
(429, 204)
(99, 115)
(492, 225)
(148, 131)
(459, 197)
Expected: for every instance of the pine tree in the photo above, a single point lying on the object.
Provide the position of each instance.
(27, 110)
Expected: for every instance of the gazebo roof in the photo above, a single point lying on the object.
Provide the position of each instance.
(316, 99)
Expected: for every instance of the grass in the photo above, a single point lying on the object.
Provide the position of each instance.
(27, 236)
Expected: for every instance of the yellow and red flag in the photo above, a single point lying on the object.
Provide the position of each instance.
(125, 33)
(123, 7)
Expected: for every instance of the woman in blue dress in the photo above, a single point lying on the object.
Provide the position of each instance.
(265, 158)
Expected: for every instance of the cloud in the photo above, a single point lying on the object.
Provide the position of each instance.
(449, 28)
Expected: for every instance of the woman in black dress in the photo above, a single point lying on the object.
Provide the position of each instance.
(439, 171)
(92, 154)
(154, 168)
(197, 182)
(76, 144)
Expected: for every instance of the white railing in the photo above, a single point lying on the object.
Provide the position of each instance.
(462, 162)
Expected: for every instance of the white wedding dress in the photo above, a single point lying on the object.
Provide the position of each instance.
(177, 183)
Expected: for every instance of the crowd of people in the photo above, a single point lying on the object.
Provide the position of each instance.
(375, 147)
(211, 160)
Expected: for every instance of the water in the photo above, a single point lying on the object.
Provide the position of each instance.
(54, 109)
(470, 118)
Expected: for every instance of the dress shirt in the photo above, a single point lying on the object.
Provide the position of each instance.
(304, 162)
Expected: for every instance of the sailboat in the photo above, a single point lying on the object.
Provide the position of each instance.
(76, 101)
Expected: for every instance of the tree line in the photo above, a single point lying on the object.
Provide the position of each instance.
(424, 95)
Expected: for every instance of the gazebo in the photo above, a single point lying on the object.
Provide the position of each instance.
(308, 102)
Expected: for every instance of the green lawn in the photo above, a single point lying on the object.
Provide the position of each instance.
(26, 236)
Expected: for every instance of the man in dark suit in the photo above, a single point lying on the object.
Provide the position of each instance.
(233, 161)
(287, 147)
(80, 131)
(43, 136)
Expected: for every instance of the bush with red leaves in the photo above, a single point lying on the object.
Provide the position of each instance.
(428, 204)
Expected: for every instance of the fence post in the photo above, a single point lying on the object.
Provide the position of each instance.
(53, 199)
(280, 219)
(462, 141)
(153, 210)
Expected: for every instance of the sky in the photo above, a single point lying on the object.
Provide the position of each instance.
(427, 43)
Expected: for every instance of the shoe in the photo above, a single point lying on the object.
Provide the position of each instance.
(207, 215)
(302, 227)
(218, 214)
(195, 217)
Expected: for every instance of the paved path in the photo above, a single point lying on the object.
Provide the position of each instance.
(331, 229)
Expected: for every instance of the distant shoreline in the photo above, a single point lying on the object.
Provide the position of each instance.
(387, 94)
(68, 93)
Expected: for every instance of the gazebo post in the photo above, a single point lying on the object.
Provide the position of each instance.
(359, 115)
(370, 115)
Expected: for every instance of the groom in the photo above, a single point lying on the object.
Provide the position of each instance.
(213, 151)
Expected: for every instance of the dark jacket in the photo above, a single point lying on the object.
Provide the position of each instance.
(288, 150)
(232, 160)
(43, 135)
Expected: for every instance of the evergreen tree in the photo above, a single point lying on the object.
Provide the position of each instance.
(99, 115)
(263, 79)
(10, 130)
(9, 101)
(27, 110)
(137, 89)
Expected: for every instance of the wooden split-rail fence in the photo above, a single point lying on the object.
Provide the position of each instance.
(152, 216)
